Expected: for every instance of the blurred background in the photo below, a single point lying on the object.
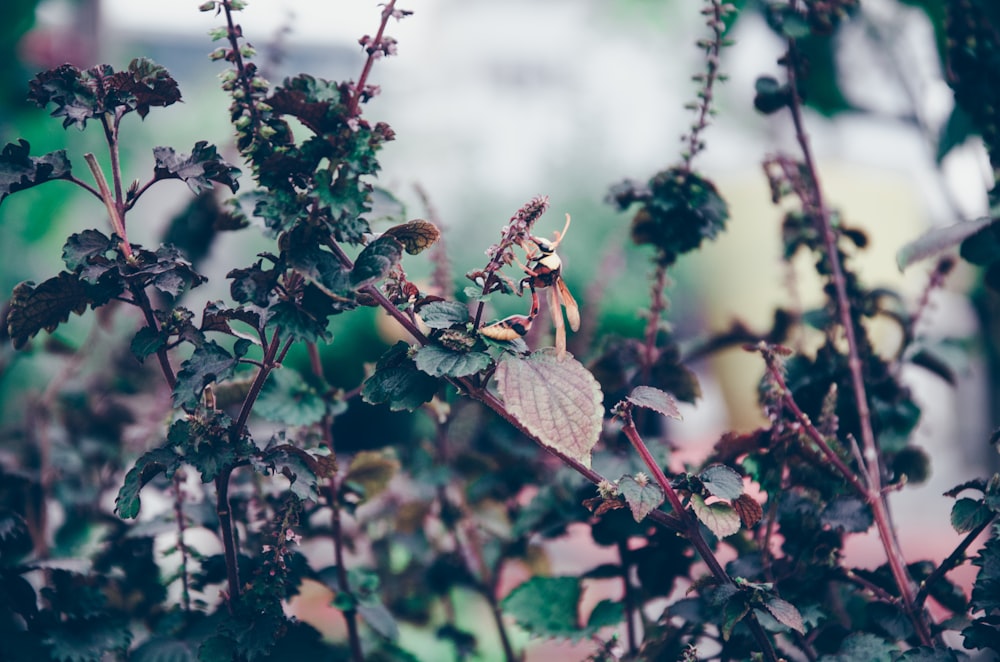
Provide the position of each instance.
(494, 103)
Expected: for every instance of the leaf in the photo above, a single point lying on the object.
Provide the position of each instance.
(546, 606)
(300, 321)
(938, 240)
(209, 363)
(748, 509)
(375, 261)
(642, 495)
(45, 306)
(606, 613)
(320, 266)
(439, 361)
(297, 466)
(416, 236)
(720, 518)
(655, 399)
(372, 470)
(147, 467)
(397, 382)
(253, 284)
(967, 514)
(379, 619)
(198, 170)
(956, 130)
(848, 514)
(165, 649)
(287, 397)
(444, 314)
(86, 639)
(555, 399)
(785, 613)
(146, 341)
(928, 654)
(83, 246)
(721, 481)
(18, 171)
(863, 646)
(149, 84)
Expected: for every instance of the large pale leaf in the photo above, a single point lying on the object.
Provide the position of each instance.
(720, 518)
(556, 399)
(938, 240)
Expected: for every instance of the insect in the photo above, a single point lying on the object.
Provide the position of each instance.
(543, 272)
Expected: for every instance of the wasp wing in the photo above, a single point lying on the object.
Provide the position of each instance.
(567, 300)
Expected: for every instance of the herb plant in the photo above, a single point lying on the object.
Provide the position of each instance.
(262, 492)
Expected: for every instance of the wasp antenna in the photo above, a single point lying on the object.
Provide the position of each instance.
(561, 235)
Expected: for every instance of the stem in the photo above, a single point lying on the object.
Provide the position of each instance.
(162, 355)
(117, 222)
(224, 510)
(876, 498)
(350, 615)
(693, 533)
(628, 599)
(181, 545)
(268, 363)
(953, 561)
(373, 48)
(234, 41)
(658, 305)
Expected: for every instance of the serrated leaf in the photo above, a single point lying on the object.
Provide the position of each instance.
(748, 509)
(397, 382)
(253, 284)
(165, 649)
(655, 399)
(375, 261)
(848, 514)
(287, 397)
(606, 613)
(444, 314)
(209, 363)
(556, 399)
(379, 619)
(642, 496)
(862, 646)
(198, 170)
(82, 246)
(320, 266)
(300, 322)
(720, 518)
(147, 467)
(721, 481)
(439, 361)
(928, 654)
(938, 240)
(86, 639)
(546, 606)
(967, 514)
(149, 84)
(416, 236)
(372, 470)
(19, 171)
(146, 341)
(299, 470)
(44, 306)
(785, 613)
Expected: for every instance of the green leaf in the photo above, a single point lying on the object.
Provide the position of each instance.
(653, 398)
(546, 606)
(318, 265)
(375, 261)
(253, 284)
(956, 130)
(379, 619)
(18, 171)
(209, 363)
(785, 613)
(287, 397)
(734, 610)
(444, 314)
(372, 471)
(397, 382)
(967, 514)
(198, 170)
(606, 613)
(720, 518)
(87, 639)
(938, 240)
(928, 654)
(439, 361)
(165, 649)
(147, 467)
(795, 26)
(642, 495)
(148, 84)
(848, 514)
(303, 470)
(303, 322)
(721, 481)
(771, 96)
(556, 399)
(863, 646)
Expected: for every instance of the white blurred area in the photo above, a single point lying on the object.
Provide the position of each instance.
(494, 102)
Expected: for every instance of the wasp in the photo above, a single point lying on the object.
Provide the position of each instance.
(544, 271)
